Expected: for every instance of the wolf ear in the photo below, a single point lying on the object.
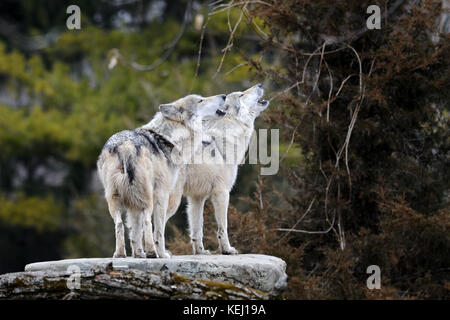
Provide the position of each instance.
(169, 111)
(235, 103)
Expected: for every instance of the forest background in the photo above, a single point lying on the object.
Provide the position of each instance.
(363, 120)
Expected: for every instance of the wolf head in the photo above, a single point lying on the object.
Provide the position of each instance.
(246, 106)
(180, 122)
(191, 109)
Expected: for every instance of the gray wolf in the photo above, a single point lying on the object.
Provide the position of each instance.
(215, 176)
(138, 169)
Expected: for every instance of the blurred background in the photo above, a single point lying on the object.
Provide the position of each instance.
(337, 205)
(61, 97)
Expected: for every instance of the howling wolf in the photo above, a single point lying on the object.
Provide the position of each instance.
(215, 176)
(138, 169)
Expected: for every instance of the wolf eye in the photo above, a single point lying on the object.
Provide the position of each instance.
(241, 95)
(201, 100)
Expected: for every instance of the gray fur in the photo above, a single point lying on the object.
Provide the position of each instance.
(137, 172)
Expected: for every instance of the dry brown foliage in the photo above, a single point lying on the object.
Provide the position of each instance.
(369, 110)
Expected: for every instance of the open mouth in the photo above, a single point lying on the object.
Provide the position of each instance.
(220, 113)
(262, 101)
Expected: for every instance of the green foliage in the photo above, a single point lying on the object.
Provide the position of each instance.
(40, 213)
(385, 201)
(93, 235)
(59, 105)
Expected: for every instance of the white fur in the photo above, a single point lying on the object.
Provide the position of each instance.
(215, 177)
(154, 176)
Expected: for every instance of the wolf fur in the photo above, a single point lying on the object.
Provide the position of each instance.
(215, 177)
(138, 169)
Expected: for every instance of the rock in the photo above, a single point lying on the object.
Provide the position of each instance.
(263, 273)
(110, 284)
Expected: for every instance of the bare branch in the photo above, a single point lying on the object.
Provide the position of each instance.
(299, 220)
(202, 36)
(170, 47)
(318, 74)
(230, 39)
(285, 90)
(228, 5)
(236, 67)
(330, 91)
(307, 231)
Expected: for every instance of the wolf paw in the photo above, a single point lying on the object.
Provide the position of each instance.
(202, 251)
(119, 255)
(165, 255)
(230, 251)
(139, 255)
(151, 255)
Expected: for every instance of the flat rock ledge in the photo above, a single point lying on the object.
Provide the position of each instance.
(246, 276)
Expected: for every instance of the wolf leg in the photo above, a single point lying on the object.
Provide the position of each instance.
(115, 213)
(159, 211)
(135, 219)
(149, 245)
(195, 216)
(174, 203)
(220, 202)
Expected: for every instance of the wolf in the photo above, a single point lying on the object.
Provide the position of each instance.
(215, 176)
(138, 169)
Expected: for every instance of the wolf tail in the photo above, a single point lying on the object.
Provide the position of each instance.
(131, 182)
(128, 155)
